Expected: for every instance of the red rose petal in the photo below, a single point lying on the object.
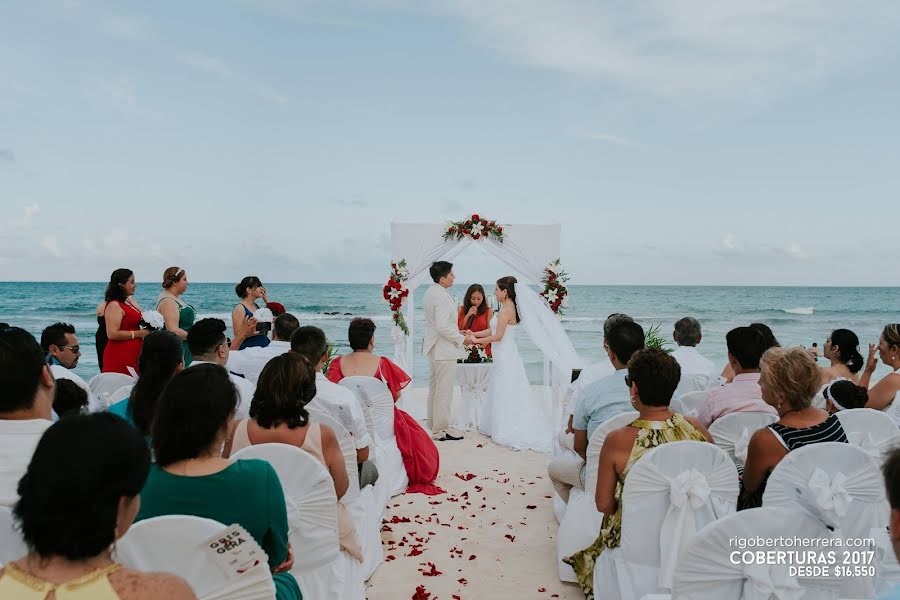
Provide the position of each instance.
(531, 507)
(472, 557)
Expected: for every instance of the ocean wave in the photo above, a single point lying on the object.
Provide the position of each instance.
(803, 310)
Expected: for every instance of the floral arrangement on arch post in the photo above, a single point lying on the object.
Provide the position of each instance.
(555, 291)
(475, 227)
(395, 293)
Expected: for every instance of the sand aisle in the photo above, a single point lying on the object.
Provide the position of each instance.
(493, 535)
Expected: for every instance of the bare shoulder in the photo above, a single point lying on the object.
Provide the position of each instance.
(617, 439)
(134, 585)
(327, 434)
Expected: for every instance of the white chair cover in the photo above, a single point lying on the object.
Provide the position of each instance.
(362, 508)
(689, 404)
(580, 525)
(870, 429)
(706, 570)
(120, 394)
(104, 384)
(732, 432)
(375, 394)
(171, 544)
(887, 569)
(845, 486)
(11, 545)
(672, 492)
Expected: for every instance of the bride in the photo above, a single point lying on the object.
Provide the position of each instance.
(513, 415)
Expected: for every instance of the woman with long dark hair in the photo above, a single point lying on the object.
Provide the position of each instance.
(249, 290)
(475, 314)
(122, 316)
(161, 357)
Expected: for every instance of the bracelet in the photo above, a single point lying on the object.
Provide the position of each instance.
(132, 334)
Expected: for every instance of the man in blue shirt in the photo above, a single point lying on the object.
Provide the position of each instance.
(599, 401)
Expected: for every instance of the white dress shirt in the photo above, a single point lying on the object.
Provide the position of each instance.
(18, 439)
(698, 373)
(245, 390)
(250, 362)
(341, 403)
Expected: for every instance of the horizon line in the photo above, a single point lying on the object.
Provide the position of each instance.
(571, 285)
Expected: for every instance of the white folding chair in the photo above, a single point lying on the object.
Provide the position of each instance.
(362, 508)
(104, 384)
(670, 493)
(887, 569)
(312, 516)
(580, 525)
(375, 394)
(710, 570)
(689, 404)
(843, 483)
(732, 432)
(870, 429)
(171, 544)
(120, 394)
(12, 546)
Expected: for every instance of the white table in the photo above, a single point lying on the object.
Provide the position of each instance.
(473, 379)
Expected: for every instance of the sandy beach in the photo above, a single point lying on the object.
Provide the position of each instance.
(492, 535)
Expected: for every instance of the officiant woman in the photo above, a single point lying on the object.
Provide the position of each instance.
(475, 314)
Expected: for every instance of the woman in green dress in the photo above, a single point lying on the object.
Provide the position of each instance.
(190, 477)
(179, 315)
(652, 377)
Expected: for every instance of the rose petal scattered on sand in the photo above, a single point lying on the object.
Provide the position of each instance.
(531, 507)
(511, 538)
(421, 593)
(472, 557)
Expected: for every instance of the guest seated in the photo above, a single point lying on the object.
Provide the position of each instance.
(250, 361)
(697, 371)
(746, 346)
(25, 406)
(475, 315)
(600, 401)
(278, 415)
(843, 394)
(884, 393)
(161, 357)
(190, 476)
(249, 290)
(69, 399)
(651, 381)
(60, 344)
(891, 470)
(789, 379)
(769, 341)
(335, 400)
(419, 452)
(842, 349)
(79, 495)
(208, 344)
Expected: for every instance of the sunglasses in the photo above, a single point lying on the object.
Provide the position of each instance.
(628, 381)
(75, 349)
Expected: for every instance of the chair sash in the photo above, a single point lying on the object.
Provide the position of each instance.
(688, 492)
(770, 582)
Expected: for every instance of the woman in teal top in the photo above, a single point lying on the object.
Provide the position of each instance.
(179, 315)
(190, 476)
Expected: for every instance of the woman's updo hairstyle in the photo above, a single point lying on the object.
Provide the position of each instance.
(69, 496)
(171, 276)
(508, 285)
(848, 347)
(115, 289)
(250, 281)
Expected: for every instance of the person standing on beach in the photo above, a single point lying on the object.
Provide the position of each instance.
(443, 345)
(123, 318)
(178, 314)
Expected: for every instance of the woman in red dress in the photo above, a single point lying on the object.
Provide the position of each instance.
(475, 314)
(420, 454)
(123, 317)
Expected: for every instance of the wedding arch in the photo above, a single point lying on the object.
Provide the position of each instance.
(531, 250)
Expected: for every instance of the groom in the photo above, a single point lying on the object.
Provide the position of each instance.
(443, 346)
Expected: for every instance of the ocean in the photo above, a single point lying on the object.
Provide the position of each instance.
(797, 315)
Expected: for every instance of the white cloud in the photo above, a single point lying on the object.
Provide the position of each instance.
(28, 214)
(676, 46)
(50, 244)
(232, 75)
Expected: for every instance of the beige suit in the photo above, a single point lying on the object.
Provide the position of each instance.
(443, 346)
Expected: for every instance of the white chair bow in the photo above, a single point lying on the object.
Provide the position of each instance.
(768, 582)
(830, 493)
(867, 442)
(690, 486)
(742, 445)
(688, 491)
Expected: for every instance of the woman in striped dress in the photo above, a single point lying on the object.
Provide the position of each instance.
(789, 379)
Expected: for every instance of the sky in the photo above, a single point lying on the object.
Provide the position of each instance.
(749, 142)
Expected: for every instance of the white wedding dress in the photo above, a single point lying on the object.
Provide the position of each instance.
(513, 414)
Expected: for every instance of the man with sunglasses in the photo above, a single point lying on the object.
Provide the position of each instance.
(62, 349)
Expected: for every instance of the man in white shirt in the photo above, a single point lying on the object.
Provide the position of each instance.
(208, 344)
(336, 400)
(697, 371)
(249, 362)
(25, 404)
(746, 346)
(60, 345)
